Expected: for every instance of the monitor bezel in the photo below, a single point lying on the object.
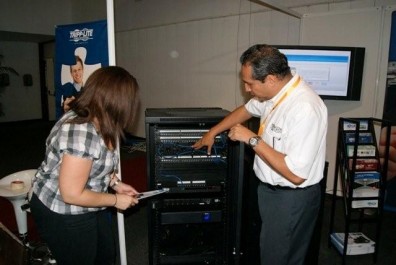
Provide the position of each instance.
(356, 66)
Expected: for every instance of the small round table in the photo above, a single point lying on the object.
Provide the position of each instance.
(18, 196)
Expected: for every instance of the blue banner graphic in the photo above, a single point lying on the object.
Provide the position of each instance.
(80, 50)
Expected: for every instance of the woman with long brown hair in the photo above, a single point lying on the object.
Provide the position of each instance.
(71, 187)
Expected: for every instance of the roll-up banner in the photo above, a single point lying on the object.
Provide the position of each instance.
(80, 49)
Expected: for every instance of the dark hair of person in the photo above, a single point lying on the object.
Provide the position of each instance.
(78, 60)
(110, 95)
(265, 60)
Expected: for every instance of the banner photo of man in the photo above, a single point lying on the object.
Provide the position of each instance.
(80, 49)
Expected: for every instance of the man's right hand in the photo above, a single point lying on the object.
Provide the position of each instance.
(206, 140)
(66, 103)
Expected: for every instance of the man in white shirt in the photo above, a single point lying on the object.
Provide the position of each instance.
(290, 151)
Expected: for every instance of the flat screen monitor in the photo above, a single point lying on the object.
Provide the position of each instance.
(333, 72)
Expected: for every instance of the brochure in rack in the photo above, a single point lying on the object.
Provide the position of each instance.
(358, 243)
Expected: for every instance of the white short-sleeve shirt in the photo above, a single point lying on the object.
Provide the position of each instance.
(297, 127)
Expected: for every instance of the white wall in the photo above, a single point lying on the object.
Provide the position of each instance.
(205, 72)
(187, 55)
(195, 62)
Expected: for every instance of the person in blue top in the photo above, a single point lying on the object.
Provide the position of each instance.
(77, 180)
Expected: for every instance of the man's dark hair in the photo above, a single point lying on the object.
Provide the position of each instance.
(78, 60)
(265, 60)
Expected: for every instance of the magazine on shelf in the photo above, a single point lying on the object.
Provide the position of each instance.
(364, 204)
(364, 164)
(351, 126)
(363, 138)
(358, 243)
(366, 184)
(362, 150)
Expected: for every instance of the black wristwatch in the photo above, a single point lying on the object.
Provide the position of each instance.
(254, 141)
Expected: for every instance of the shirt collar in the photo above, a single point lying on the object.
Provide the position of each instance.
(284, 89)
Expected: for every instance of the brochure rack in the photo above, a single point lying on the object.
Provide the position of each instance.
(362, 175)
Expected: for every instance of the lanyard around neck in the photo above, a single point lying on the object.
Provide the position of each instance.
(280, 100)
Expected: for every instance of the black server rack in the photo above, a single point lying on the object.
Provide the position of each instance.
(198, 220)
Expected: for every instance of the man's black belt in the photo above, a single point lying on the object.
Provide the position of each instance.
(277, 187)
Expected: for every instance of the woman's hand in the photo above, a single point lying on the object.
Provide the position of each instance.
(126, 196)
(124, 201)
(123, 188)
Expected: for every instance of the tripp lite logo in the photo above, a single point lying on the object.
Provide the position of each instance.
(81, 35)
